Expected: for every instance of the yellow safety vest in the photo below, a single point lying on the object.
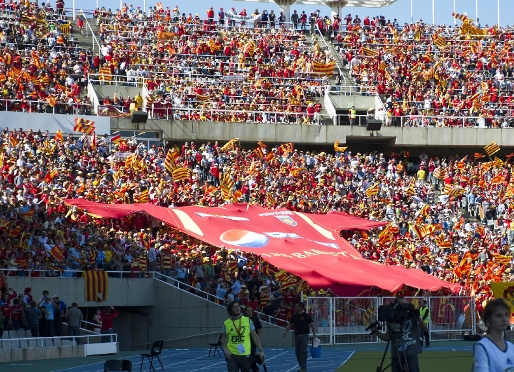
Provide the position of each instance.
(422, 312)
(238, 332)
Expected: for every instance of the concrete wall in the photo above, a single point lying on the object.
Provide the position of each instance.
(179, 314)
(360, 102)
(121, 292)
(35, 121)
(314, 134)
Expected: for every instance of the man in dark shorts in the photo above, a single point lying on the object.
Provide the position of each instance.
(301, 322)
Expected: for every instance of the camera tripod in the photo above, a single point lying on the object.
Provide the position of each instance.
(398, 340)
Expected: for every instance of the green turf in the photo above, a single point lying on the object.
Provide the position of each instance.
(430, 361)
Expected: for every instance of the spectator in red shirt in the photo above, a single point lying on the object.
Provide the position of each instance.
(107, 315)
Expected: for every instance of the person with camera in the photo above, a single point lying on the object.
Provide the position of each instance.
(404, 356)
(235, 340)
(492, 353)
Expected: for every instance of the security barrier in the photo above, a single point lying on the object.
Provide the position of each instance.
(343, 320)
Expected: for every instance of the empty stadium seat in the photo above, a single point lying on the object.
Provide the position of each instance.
(57, 342)
(33, 343)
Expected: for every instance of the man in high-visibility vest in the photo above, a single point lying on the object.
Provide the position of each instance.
(424, 313)
(235, 340)
(353, 115)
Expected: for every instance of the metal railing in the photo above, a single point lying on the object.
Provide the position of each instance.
(343, 320)
(94, 40)
(32, 106)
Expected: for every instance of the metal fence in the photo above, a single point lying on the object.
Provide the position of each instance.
(343, 320)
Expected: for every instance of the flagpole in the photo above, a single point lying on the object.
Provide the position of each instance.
(476, 9)
(498, 13)
(455, 11)
(433, 12)
(411, 12)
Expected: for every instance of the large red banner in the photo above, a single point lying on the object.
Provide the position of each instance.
(307, 245)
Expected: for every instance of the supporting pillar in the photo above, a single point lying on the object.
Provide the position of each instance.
(336, 6)
(285, 7)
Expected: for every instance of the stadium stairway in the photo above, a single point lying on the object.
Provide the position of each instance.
(85, 39)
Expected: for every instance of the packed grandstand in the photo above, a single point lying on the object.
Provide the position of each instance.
(449, 216)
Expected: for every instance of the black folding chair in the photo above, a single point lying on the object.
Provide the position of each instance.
(118, 365)
(217, 347)
(155, 352)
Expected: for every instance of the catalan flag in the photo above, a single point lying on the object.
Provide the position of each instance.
(324, 68)
(96, 285)
(382, 66)
(439, 173)
(170, 163)
(263, 145)
(143, 197)
(442, 242)
(104, 74)
(237, 195)
(180, 174)
(130, 161)
(58, 136)
(227, 184)
(270, 199)
(425, 210)
(478, 155)
(202, 97)
(369, 52)
(385, 236)
(230, 145)
(498, 162)
(13, 140)
(84, 126)
(270, 156)
(52, 101)
(439, 41)
(500, 258)
(372, 190)
(491, 148)
(410, 191)
(37, 61)
(461, 17)
(429, 57)
(420, 231)
(337, 148)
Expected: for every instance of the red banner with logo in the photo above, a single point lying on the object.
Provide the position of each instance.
(307, 245)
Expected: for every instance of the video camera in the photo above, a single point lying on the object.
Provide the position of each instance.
(397, 312)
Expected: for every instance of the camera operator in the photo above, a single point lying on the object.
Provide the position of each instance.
(410, 331)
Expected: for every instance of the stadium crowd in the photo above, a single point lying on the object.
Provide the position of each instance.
(428, 230)
(42, 67)
(436, 75)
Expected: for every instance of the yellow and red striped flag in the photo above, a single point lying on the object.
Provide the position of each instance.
(258, 151)
(385, 236)
(439, 41)
(105, 74)
(372, 190)
(84, 126)
(229, 146)
(270, 199)
(37, 61)
(382, 66)
(324, 68)
(479, 155)
(498, 162)
(96, 285)
(263, 145)
(13, 140)
(369, 52)
(440, 173)
(237, 195)
(180, 174)
(170, 163)
(117, 139)
(442, 242)
(227, 184)
(491, 148)
(52, 101)
(143, 197)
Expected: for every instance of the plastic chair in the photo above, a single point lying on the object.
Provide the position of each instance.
(155, 352)
(118, 365)
(217, 347)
